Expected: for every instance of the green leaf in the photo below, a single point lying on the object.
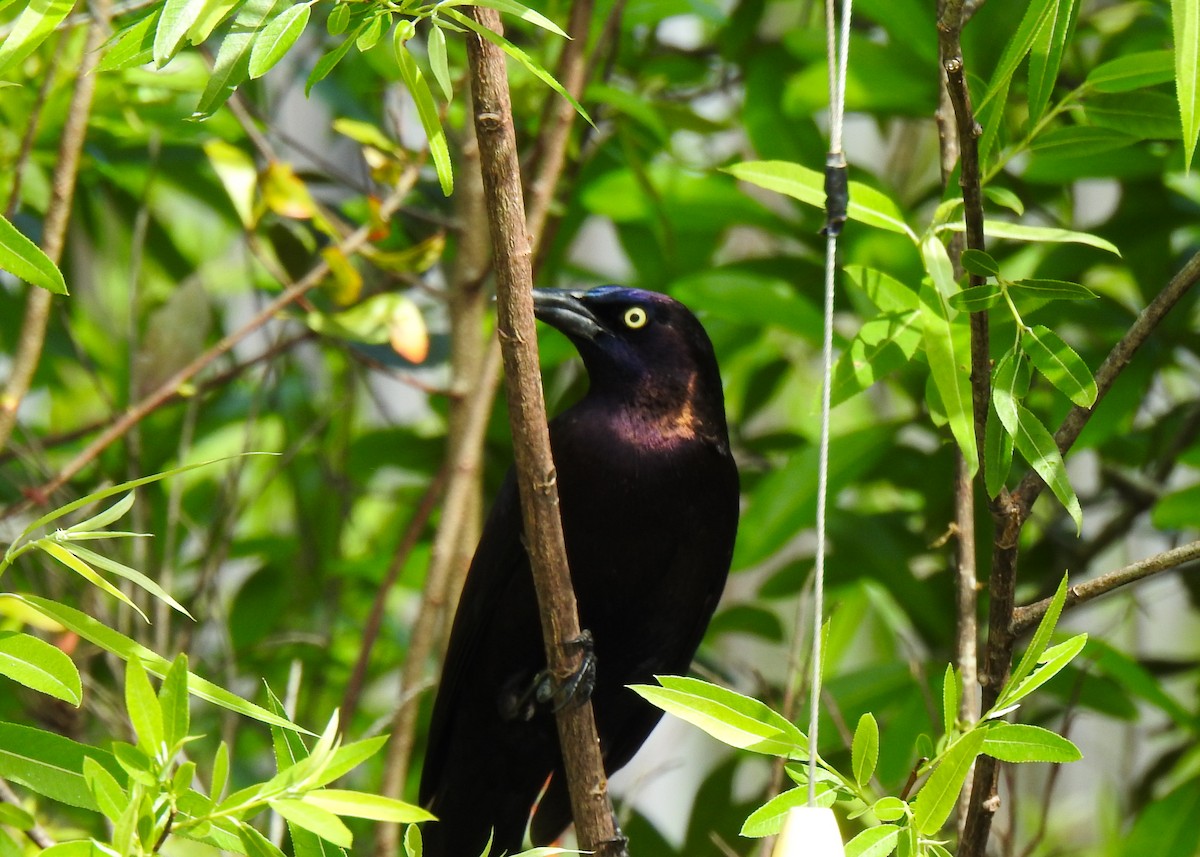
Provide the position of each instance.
(1010, 383)
(177, 18)
(277, 38)
(413, 847)
(1185, 23)
(1042, 234)
(935, 801)
(884, 290)
(1037, 446)
(730, 717)
(372, 31)
(435, 46)
(1037, 15)
(979, 263)
(1045, 57)
(1005, 198)
(1059, 364)
(107, 792)
(881, 346)
(315, 820)
(997, 455)
(132, 45)
(1136, 679)
(132, 575)
(105, 517)
(255, 843)
(220, 772)
(769, 818)
(144, 709)
(1020, 742)
(519, 55)
(889, 809)
(1056, 290)
(516, 10)
(1133, 71)
(25, 260)
(37, 20)
(212, 14)
(1139, 115)
(68, 557)
(864, 750)
(428, 113)
(867, 205)
(950, 699)
(1040, 639)
(1053, 661)
(874, 842)
(40, 666)
(977, 298)
(49, 764)
(232, 65)
(125, 648)
(949, 369)
(329, 61)
(1167, 825)
(173, 700)
(364, 805)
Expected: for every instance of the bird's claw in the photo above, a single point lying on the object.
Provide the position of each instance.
(578, 686)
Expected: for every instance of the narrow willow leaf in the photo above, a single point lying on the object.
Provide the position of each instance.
(68, 558)
(991, 118)
(212, 14)
(950, 697)
(428, 113)
(315, 820)
(1133, 71)
(885, 291)
(864, 749)
(1005, 198)
(997, 456)
(1041, 234)
(874, 842)
(1038, 642)
(365, 805)
(1166, 826)
(881, 346)
(1185, 22)
(1045, 57)
(1060, 365)
(980, 263)
(435, 46)
(277, 38)
(1053, 661)
(145, 711)
(131, 574)
(107, 516)
(109, 796)
(176, 19)
(948, 368)
(220, 771)
(25, 260)
(232, 65)
(37, 20)
(516, 10)
(125, 648)
(936, 799)
(40, 666)
(329, 61)
(50, 764)
(1010, 383)
(520, 56)
(173, 699)
(730, 717)
(1056, 290)
(867, 205)
(977, 298)
(255, 844)
(132, 45)
(1020, 742)
(768, 819)
(1037, 446)
(1037, 15)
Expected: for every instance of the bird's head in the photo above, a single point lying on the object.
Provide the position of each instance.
(641, 348)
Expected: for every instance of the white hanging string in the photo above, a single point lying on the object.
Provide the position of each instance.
(838, 55)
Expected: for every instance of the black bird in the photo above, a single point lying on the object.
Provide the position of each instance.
(649, 504)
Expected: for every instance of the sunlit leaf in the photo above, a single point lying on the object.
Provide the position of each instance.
(1185, 24)
(874, 842)
(40, 666)
(277, 38)
(25, 260)
(1059, 364)
(864, 749)
(438, 63)
(428, 113)
(937, 797)
(36, 21)
(1021, 742)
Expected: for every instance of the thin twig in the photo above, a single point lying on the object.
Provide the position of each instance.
(58, 214)
(37, 834)
(1026, 617)
(536, 478)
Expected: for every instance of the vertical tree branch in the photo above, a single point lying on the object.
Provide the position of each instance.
(536, 477)
(58, 214)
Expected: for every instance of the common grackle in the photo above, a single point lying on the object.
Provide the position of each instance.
(649, 504)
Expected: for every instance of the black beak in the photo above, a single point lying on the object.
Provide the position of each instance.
(565, 310)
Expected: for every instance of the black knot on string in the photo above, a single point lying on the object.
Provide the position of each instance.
(837, 193)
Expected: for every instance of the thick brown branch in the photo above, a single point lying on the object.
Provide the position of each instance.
(1026, 617)
(536, 478)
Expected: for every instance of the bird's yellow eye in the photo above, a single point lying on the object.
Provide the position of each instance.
(635, 317)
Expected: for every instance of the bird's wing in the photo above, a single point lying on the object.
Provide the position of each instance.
(499, 556)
